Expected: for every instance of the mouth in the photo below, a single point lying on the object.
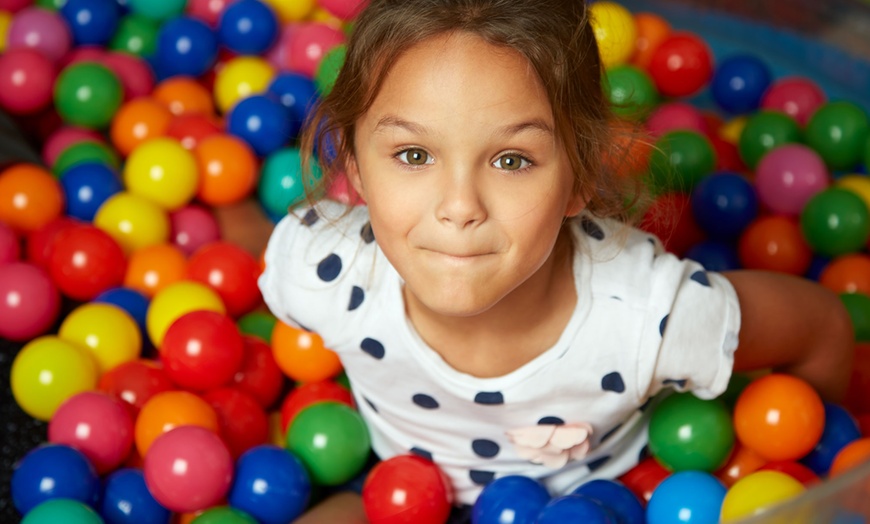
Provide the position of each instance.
(458, 257)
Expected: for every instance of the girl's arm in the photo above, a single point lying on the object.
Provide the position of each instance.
(794, 326)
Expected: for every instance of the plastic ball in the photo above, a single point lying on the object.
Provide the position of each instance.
(209, 11)
(162, 171)
(87, 94)
(796, 470)
(10, 245)
(297, 93)
(270, 484)
(774, 243)
(858, 184)
(126, 500)
(757, 492)
(223, 515)
(240, 78)
(301, 354)
(705, 446)
(724, 204)
(248, 27)
(152, 268)
(838, 131)
(614, 30)
(29, 197)
(715, 255)
(680, 159)
(669, 218)
(135, 383)
(848, 274)
(229, 270)
(796, 96)
(185, 46)
(513, 499)
(130, 300)
(575, 508)
(175, 300)
(742, 462)
(64, 137)
(53, 471)
(615, 497)
(193, 227)
(108, 332)
(643, 479)
(765, 131)
(332, 441)
(136, 35)
(835, 222)
(309, 394)
(228, 169)
(86, 187)
(202, 350)
(29, 301)
(41, 30)
(184, 96)
(133, 221)
(310, 43)
(694, 493)
(157, 9)
(242, 422)
(191, 129)
(26, 81)
(343, 9)
(788, 176)
(675, 116)
(840, 429)
(91, 22)
(258, 324)
(263, 123)
(780, 417)
(138, 121)
(85, 261)
(134, 73)
(62, 510)
(426, 496)
(170, 409)
(85, 152)
(739, 82)
(202, 483)
(39, 244)
(681, 65)
(631, 91)
(850, 456)
(858, 307)
(651, 30)
(328, 69)
(281, 181)
(259, 375)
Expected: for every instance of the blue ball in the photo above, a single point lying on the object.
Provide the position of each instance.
(298, 94)
(840, 429)
(130, 300)
(86, 186)
(513, 499)
(739, 83)
(723, 204)
(715, 255)
(576, 508)
(53, 471)
(270, 484)
(261, 122)
(817, 266)
(694, 493)
(185, 46)
(91, 22)
(126, 500)
(615, 497)
(248, 27)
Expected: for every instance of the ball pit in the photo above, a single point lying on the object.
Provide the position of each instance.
(760, 162)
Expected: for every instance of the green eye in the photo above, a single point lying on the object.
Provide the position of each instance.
(511, 162)
(415, 157)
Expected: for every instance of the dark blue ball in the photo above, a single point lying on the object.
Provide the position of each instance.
(840, 429)
(185, 46)
(298, 94)
(91, 22)
(576, 508)
(248, 27)
(130, 300)
(723, 204)
(739, 83)
(261, 122)
(715, 255)
(86, 186)
(615, 497)
(126, 500)
(53, 471)
(513, 499)
(270, 484)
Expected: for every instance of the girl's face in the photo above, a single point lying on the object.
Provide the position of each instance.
(466, 183)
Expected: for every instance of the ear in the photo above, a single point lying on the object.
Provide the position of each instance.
(576, 204)
(351, 170)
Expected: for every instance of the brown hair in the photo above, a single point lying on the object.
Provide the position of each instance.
(555, 36)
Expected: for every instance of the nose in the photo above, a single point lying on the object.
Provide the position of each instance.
(460, 204)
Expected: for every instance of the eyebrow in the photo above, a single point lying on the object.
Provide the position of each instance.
(535, 124)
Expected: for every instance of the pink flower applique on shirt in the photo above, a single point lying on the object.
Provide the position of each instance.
(551, 445)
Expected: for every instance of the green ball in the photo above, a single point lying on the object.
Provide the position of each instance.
(858, 306)
(328, 69)
(631, 91)
(838, 132)
(85, 152)
(866, 157)
(258, 324)
(223, 515)
(136, 35)
(680, 159)
(332, 440)
(157, 9)
(835, 222)
(736, 385)
(281, 183)
(764, 131)
(53, 5)
(67, 511)
(687, 433)
(88, 94)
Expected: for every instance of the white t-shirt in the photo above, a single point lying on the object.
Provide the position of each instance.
(644, 321)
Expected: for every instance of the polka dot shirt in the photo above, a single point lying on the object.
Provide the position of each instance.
(644, 322)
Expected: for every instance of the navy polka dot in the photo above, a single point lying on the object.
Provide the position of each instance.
(701, 278)
(489, 398)
(644, 453)
(613, 382)
(681, 383)
(481, 478)
(357, 295)
(310, 218)
(597, 463)
(611, 432)
(367, 234)
(614, 297)
(425, 401)
(592, 229)
(556, 421)
(663, 324)
(371, 404)
(651, 240)
(645, 405)
(373, 348)
(485, 448)
(420, 452)
(329, 268)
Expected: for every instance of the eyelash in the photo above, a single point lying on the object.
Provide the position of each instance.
(412, 167)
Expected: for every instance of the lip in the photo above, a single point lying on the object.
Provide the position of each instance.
(458, 257)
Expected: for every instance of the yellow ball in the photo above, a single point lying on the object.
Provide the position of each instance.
(107, 331)
(758, 492)
(174, 301)
(240, 78)
(133, 221)
(162, 171)
(731, 130)
(5, 22)
(615, 32)
(47, 371)
(858, 184)
(291, 10)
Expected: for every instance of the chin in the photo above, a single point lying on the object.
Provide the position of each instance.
(458, 305)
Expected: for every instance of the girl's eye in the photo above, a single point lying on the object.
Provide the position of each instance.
(511, 162)
(414, 157)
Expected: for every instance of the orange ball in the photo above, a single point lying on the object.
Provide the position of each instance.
(183, 95)
(30, 197)
(847, 274)
(774, 243)
(227, 169)
(780, 417)
(652, 30)
(852, 454)
(301, 356)
(136, 121)
(154, 267)
(168, 410)
(742, 462)
(629, 151)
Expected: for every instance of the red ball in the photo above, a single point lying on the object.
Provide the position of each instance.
(86, 261)
(644, 478)
(190, 129)
(26, 81)
(29, 301)
(202, 350)
(670, 219)
(40, 243)
(407, 489)
(243, 423)
(312, 393)
(135, 382)
(775, 243)
(259, 375)
(796, 470)
(135, 74)
(682, 65)
(231, 271)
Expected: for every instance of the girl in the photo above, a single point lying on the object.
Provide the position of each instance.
(490, 312)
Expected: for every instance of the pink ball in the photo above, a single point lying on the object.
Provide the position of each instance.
(96, 424)
(135, 74)
(788, 176)
(341, 191)
(796, 96)
(675, 115)
(26, 81)
(64, 137)
(10, 247)
(42, 30)
(279, 54)
(208, 11)
(188, 469)
(29, 301)
(344, 9)
(309, 43)
(85, 53)
(193, 227)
